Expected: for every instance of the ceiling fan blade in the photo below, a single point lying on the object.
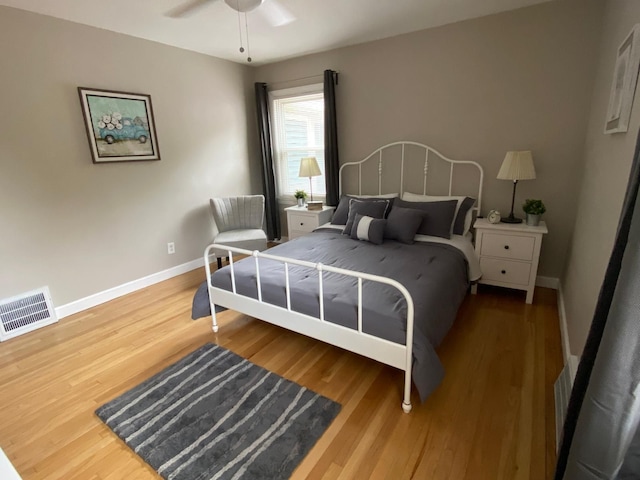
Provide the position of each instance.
(188, 8)
(276, 14)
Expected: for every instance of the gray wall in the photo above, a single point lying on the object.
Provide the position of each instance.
(474, 90)
(607, 163)
(82, 228)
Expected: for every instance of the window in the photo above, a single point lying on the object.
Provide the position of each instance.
(298, 131)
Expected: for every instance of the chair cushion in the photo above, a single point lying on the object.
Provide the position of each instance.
(238, 213)
(249, 239)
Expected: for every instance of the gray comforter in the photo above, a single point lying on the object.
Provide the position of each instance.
(435, 275)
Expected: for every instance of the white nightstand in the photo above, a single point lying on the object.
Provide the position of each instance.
(301, 221)
(509, 254)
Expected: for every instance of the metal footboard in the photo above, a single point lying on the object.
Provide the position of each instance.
(390, 353)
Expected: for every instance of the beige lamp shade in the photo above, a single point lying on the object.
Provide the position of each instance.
(309, 167)
(517, 166)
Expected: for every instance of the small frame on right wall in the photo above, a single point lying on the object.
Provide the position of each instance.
(623, 86)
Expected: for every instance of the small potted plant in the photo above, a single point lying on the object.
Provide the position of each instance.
(533, 208)
(301, 196)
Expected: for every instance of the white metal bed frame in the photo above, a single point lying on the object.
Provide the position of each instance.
(428, 150)
(379, 349)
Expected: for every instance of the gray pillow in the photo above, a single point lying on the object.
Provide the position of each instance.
(368, 228)
(341, 214)
(368, 207)
(403, 223)
(458, 224)
(438, 216)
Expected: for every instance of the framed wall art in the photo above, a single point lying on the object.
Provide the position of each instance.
(623, 87)
(120, 125)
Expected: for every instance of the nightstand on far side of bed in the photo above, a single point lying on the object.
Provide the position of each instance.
(509, 254)
(301, 221)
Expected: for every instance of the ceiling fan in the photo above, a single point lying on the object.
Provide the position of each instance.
(272, 11)
(275, 14)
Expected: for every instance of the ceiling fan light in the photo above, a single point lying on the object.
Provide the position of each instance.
(244, 6)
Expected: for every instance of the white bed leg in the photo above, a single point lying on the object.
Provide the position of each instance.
(214, 321)
(406, 403)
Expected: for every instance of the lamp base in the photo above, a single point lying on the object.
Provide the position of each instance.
(314, 205)
(511, 220)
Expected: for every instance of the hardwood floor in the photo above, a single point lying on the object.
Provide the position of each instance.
(492, 417)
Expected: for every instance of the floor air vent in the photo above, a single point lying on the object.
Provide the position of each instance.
(26, 312)
(562, 392)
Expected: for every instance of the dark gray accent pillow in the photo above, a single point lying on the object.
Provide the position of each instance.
(368, 207)
(403, 224)
(465, 206)
(368, 228)
(438, 216)
(341, 214)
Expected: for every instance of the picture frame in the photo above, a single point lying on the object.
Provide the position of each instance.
(623, 86)
(120, 125)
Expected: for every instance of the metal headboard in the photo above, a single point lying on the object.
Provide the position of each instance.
(430, 154)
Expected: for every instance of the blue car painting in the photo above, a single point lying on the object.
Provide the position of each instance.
(116, 127)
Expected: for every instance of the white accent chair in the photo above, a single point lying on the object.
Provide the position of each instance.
(238, 223)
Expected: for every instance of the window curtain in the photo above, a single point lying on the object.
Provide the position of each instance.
(268, 173)
(331, 159)
(601, 439)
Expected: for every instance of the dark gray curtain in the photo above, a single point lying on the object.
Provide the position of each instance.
(268, 172)
(331, 159)
(601, 439)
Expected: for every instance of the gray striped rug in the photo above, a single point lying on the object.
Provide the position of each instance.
(215, 415)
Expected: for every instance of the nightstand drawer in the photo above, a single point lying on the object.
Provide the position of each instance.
(507, 246)
(505, 271)
(303, 223)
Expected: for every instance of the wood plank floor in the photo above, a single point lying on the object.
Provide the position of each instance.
(492, 417)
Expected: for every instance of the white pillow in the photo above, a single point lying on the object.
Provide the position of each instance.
(384, 195)
(413, 197)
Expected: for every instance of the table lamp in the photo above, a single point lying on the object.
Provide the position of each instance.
(309, 168)
(516, 166)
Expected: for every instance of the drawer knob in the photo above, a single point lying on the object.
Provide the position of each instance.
(506, 247)
(503, 272)
(301, 223)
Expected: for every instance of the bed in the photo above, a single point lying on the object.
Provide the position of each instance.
(392, 301)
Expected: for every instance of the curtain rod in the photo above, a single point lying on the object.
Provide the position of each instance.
(302, 78)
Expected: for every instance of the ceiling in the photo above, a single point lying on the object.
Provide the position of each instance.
(320, 24)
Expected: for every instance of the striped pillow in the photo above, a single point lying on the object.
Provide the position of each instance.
(368, 229)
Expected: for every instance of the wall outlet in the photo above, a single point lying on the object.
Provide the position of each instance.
(171, 248)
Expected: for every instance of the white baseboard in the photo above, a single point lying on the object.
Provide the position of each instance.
(564, 330)
(129, 287)
(548, 282)
(553, 282)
